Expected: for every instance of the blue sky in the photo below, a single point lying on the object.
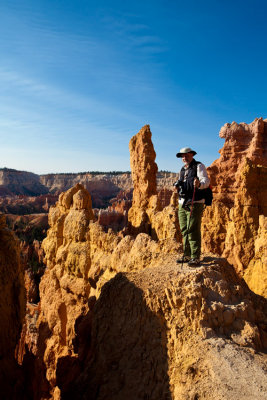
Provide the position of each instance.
(79, 78)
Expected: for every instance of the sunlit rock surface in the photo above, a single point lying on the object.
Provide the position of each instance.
(147, 213)
(231, 227)
(118, 318)
(157, 330)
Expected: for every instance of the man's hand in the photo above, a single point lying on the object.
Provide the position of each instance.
(196, 183)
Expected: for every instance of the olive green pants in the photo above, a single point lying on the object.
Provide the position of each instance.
(191, 233)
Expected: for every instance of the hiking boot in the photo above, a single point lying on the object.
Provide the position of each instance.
(183, 259)
(194, 262)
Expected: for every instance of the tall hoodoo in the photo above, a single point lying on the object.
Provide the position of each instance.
(143, 166)
(146, 214)
(144, 176)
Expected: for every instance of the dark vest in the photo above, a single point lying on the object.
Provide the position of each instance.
(186, 188)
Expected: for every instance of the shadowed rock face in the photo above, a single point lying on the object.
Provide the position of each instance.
(12, 311)
(122, 361)
(159, 334)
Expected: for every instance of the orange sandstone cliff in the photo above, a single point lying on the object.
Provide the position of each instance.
(118, 318)
(235, 225)
(81, 257)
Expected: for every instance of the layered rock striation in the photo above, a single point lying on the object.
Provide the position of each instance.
(20, 183)
(241, 141)
(22, 192)
(232, 225)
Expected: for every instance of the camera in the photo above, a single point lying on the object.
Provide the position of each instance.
(180, 188)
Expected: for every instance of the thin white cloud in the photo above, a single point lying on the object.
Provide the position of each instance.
(82, 89)
(52, 95)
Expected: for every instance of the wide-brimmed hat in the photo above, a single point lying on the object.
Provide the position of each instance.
(185, 150)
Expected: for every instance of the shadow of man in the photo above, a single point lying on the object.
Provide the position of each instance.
(126, 356)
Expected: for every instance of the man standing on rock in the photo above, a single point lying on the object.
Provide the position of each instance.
(193, 179)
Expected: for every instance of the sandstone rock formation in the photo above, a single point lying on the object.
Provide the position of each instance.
(250, 204)
(165, 196)
(23, 204)
(144, 173)
(118, 318)
(158, 331)
(12, 311)
(241, 141)
(154, 331)
(97, 184)
(20, 182)
(159, 334)
(116, 215)
(17, 188)
(112, 219)
(122, 202)
(146, 214)
(166, 179)
(231, 227)
(80, 258)
(26, 229)
(256, 273)
(107, 184)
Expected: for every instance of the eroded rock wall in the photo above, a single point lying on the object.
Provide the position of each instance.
(241, 141)
(142, 332)
(81, 257)
(12, 312)
(232, 225)
(156, 330)
(164, 332)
